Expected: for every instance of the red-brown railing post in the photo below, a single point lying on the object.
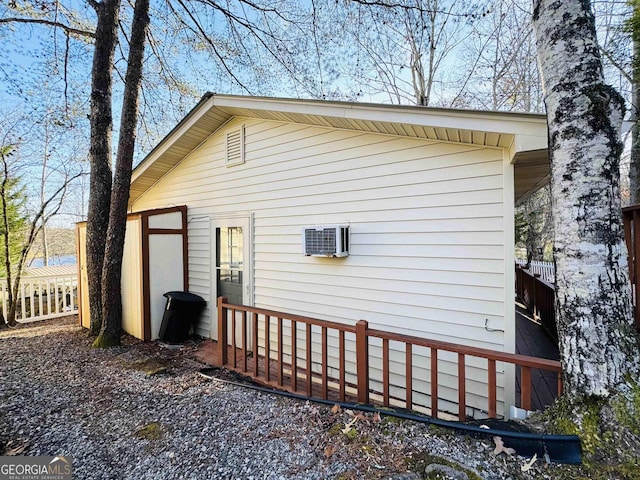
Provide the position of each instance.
(254, 327)
(385, 372)
(559, 383)
(341, 361)
(309, 344)
(233, 337)
(267, 347)
(362, 361)
(525, 387)
(627, 220)
(294, 355)
(534, 299)
(280, 353)
(491, 368)
(408, 376)
(434, 382)
(325, 364)
(462, 389)
(222, 331)
(244, 341)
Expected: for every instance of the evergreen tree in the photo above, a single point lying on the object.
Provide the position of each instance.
(14, 222)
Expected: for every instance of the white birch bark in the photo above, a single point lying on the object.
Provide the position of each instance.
(598, 345)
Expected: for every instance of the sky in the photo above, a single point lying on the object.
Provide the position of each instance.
(41, 78)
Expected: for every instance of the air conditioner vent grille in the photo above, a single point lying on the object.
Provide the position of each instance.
(321, 242)
(330, 241)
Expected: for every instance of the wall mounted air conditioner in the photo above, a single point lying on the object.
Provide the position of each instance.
(327, 241)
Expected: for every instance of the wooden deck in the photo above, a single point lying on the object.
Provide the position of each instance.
(532, 340)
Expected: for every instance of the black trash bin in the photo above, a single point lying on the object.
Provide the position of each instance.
(183, 310)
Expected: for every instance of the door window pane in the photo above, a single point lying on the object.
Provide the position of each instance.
(229, 256)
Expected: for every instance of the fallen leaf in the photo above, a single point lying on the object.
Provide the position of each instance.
(329, 450)
(527, 465)
(360, 416)
(349, 412)
(376, 417)
(12, 452)
(501, 448)
(484, 426)
(336, 409)
(348, 425)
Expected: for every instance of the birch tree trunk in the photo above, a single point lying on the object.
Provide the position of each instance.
(598, 341)
(634, 164)
(112, 267)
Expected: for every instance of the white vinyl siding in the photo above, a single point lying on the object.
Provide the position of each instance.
(427, 232)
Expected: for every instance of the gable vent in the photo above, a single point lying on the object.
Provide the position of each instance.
(234, 152)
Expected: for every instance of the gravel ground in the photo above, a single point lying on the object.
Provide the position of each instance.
(58, 396)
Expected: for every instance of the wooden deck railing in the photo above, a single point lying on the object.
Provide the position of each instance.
(43, 293)
(297, 374)
(546, 270)
(541, 293)
(539, 297)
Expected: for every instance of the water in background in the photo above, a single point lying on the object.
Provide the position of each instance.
(62, 260)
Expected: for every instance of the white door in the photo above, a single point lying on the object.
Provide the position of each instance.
(231, 256)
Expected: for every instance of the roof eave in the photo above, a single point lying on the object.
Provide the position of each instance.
(518, 132)
(200, 109)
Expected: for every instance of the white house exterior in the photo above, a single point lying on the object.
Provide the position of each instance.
(428, 195)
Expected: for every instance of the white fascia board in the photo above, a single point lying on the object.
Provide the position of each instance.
(490, 122)
(282, 105)
(529, 143)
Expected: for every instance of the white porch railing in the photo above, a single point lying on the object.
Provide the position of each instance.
(546, 270)
(44, 293)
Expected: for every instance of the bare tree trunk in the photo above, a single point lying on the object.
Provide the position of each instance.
(598, 341)
(101, 123)
(45, 246)
(634, 165)
(112, 268)
(43, 190)
(417, 72)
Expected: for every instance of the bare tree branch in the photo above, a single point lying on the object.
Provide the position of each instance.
(616, 64)
(68, 29)
(201, 31)
(417, 8)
